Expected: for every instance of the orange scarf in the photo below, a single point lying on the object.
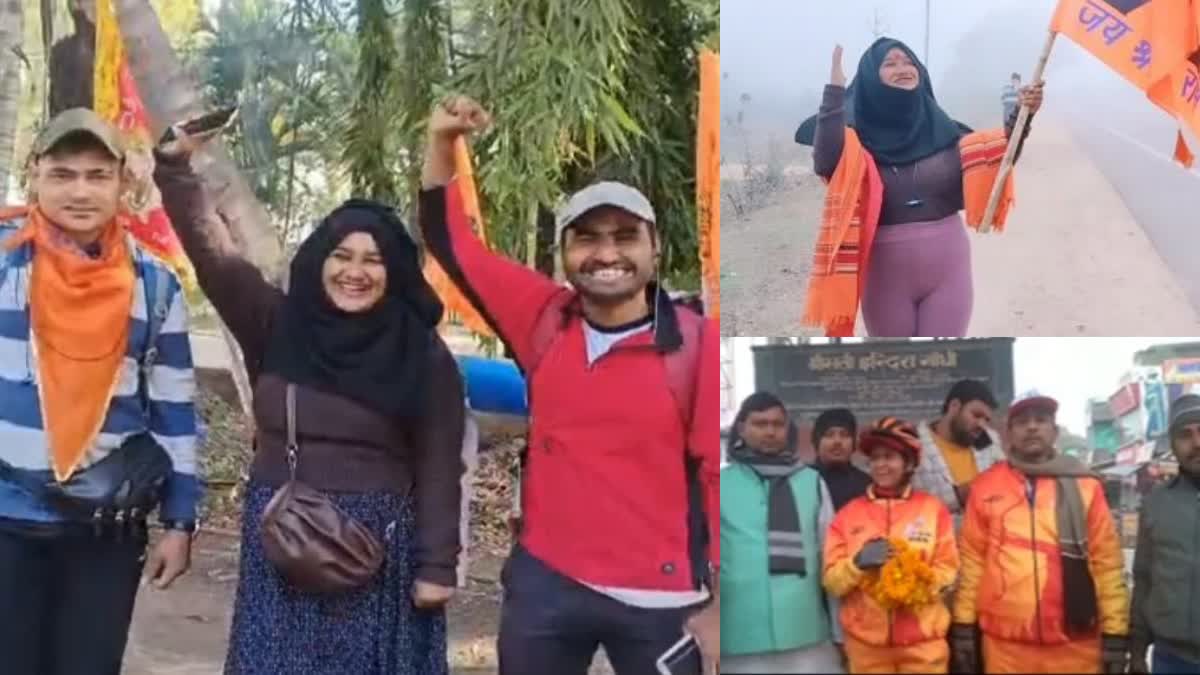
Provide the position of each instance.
(79, 323)
(851, 216)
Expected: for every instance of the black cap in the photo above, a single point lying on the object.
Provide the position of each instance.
(834, 417)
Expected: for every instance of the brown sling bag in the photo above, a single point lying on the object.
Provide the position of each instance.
(314, 545)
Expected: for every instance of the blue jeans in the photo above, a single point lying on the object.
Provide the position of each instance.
(1166, 663)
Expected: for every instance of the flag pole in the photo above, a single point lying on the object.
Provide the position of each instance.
(1014, 140)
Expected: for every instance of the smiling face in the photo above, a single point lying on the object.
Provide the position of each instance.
(608, 255)
(78, 186)
(898, 70)
(354, 275)
(888, 467)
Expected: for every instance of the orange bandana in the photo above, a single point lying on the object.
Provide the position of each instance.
(79, 312)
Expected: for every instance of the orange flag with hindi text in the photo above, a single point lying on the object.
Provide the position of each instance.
(1147, 42)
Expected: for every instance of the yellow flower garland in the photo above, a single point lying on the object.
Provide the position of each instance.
(905, 580)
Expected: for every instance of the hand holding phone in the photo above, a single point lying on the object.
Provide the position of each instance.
(191, 134)
(681, 658)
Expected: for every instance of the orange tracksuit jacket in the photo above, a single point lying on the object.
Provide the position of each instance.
(1011, 577)
(922, 520)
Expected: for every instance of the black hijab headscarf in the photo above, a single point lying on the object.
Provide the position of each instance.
(378, 357)
(897, 126)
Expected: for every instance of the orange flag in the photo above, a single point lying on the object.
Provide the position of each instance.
(1143, 40)
(457, 305)
(116, 99)
(1148, 42)
(1180, 95)
(708, 180)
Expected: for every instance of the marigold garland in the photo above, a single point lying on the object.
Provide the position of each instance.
(905, 580)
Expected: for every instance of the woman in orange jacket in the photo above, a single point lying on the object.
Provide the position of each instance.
(909, 639)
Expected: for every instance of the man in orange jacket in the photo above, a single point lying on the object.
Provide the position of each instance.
(909, 639)
(1041, 562)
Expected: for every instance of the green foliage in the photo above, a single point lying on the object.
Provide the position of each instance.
(335, 94)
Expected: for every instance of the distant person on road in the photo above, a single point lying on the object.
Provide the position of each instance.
(958, 446)
(1042, 567)
(899, 170)
(351, 346)
(1166, 576)
(775, 513)
(1010, 98)
(835, 438)
(97, 414)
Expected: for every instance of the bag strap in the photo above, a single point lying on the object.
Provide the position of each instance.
(156, 316)
(683, 364)
(293, 448)
(546, 330)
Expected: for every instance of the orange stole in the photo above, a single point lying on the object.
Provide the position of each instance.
(851, 217)
(79, 312)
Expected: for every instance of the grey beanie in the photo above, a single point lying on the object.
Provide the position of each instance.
(1185, 410)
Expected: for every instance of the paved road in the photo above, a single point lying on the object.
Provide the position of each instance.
(1164, 197)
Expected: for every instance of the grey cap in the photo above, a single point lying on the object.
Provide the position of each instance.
(1185, 410)
(607, 193)
(78, 120)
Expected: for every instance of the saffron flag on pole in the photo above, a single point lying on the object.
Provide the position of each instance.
(708, 181)
(457, 305)
(116, 99)
(1148, 42)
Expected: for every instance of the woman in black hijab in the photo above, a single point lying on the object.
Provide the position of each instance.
(919, 279)
(329, 337)
(379, 419)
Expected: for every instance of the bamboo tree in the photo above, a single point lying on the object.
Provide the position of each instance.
(369, 152)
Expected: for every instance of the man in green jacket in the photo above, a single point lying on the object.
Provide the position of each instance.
(774, 513)
(1166, 576)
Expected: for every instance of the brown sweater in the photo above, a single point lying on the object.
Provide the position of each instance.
(934, 183)
(344, 446)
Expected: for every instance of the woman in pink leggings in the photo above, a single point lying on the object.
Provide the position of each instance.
(918, 281)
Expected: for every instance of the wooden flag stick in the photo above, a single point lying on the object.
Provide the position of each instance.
(1014, 140)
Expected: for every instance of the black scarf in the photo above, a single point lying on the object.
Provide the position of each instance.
(378, 357)
(784, 544)
(897, 126)
(846, 482)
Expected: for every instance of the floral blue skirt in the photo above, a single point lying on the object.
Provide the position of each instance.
(374, 630)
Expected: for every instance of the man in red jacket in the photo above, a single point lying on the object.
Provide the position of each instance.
(613, 549)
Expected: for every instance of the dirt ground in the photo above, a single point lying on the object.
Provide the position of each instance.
(184, 630)
(1073, 261)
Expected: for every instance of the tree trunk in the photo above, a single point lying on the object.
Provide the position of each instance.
(170, 95)
(12, 25)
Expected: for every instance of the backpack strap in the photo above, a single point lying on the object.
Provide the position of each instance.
(156, 290)
(7, 229)
(546, 329)
(683, 364)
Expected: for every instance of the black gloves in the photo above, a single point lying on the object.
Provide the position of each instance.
(873, 554)
(964, 648)
(1114, 653)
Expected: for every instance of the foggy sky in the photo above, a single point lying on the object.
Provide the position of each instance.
(778, 52)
